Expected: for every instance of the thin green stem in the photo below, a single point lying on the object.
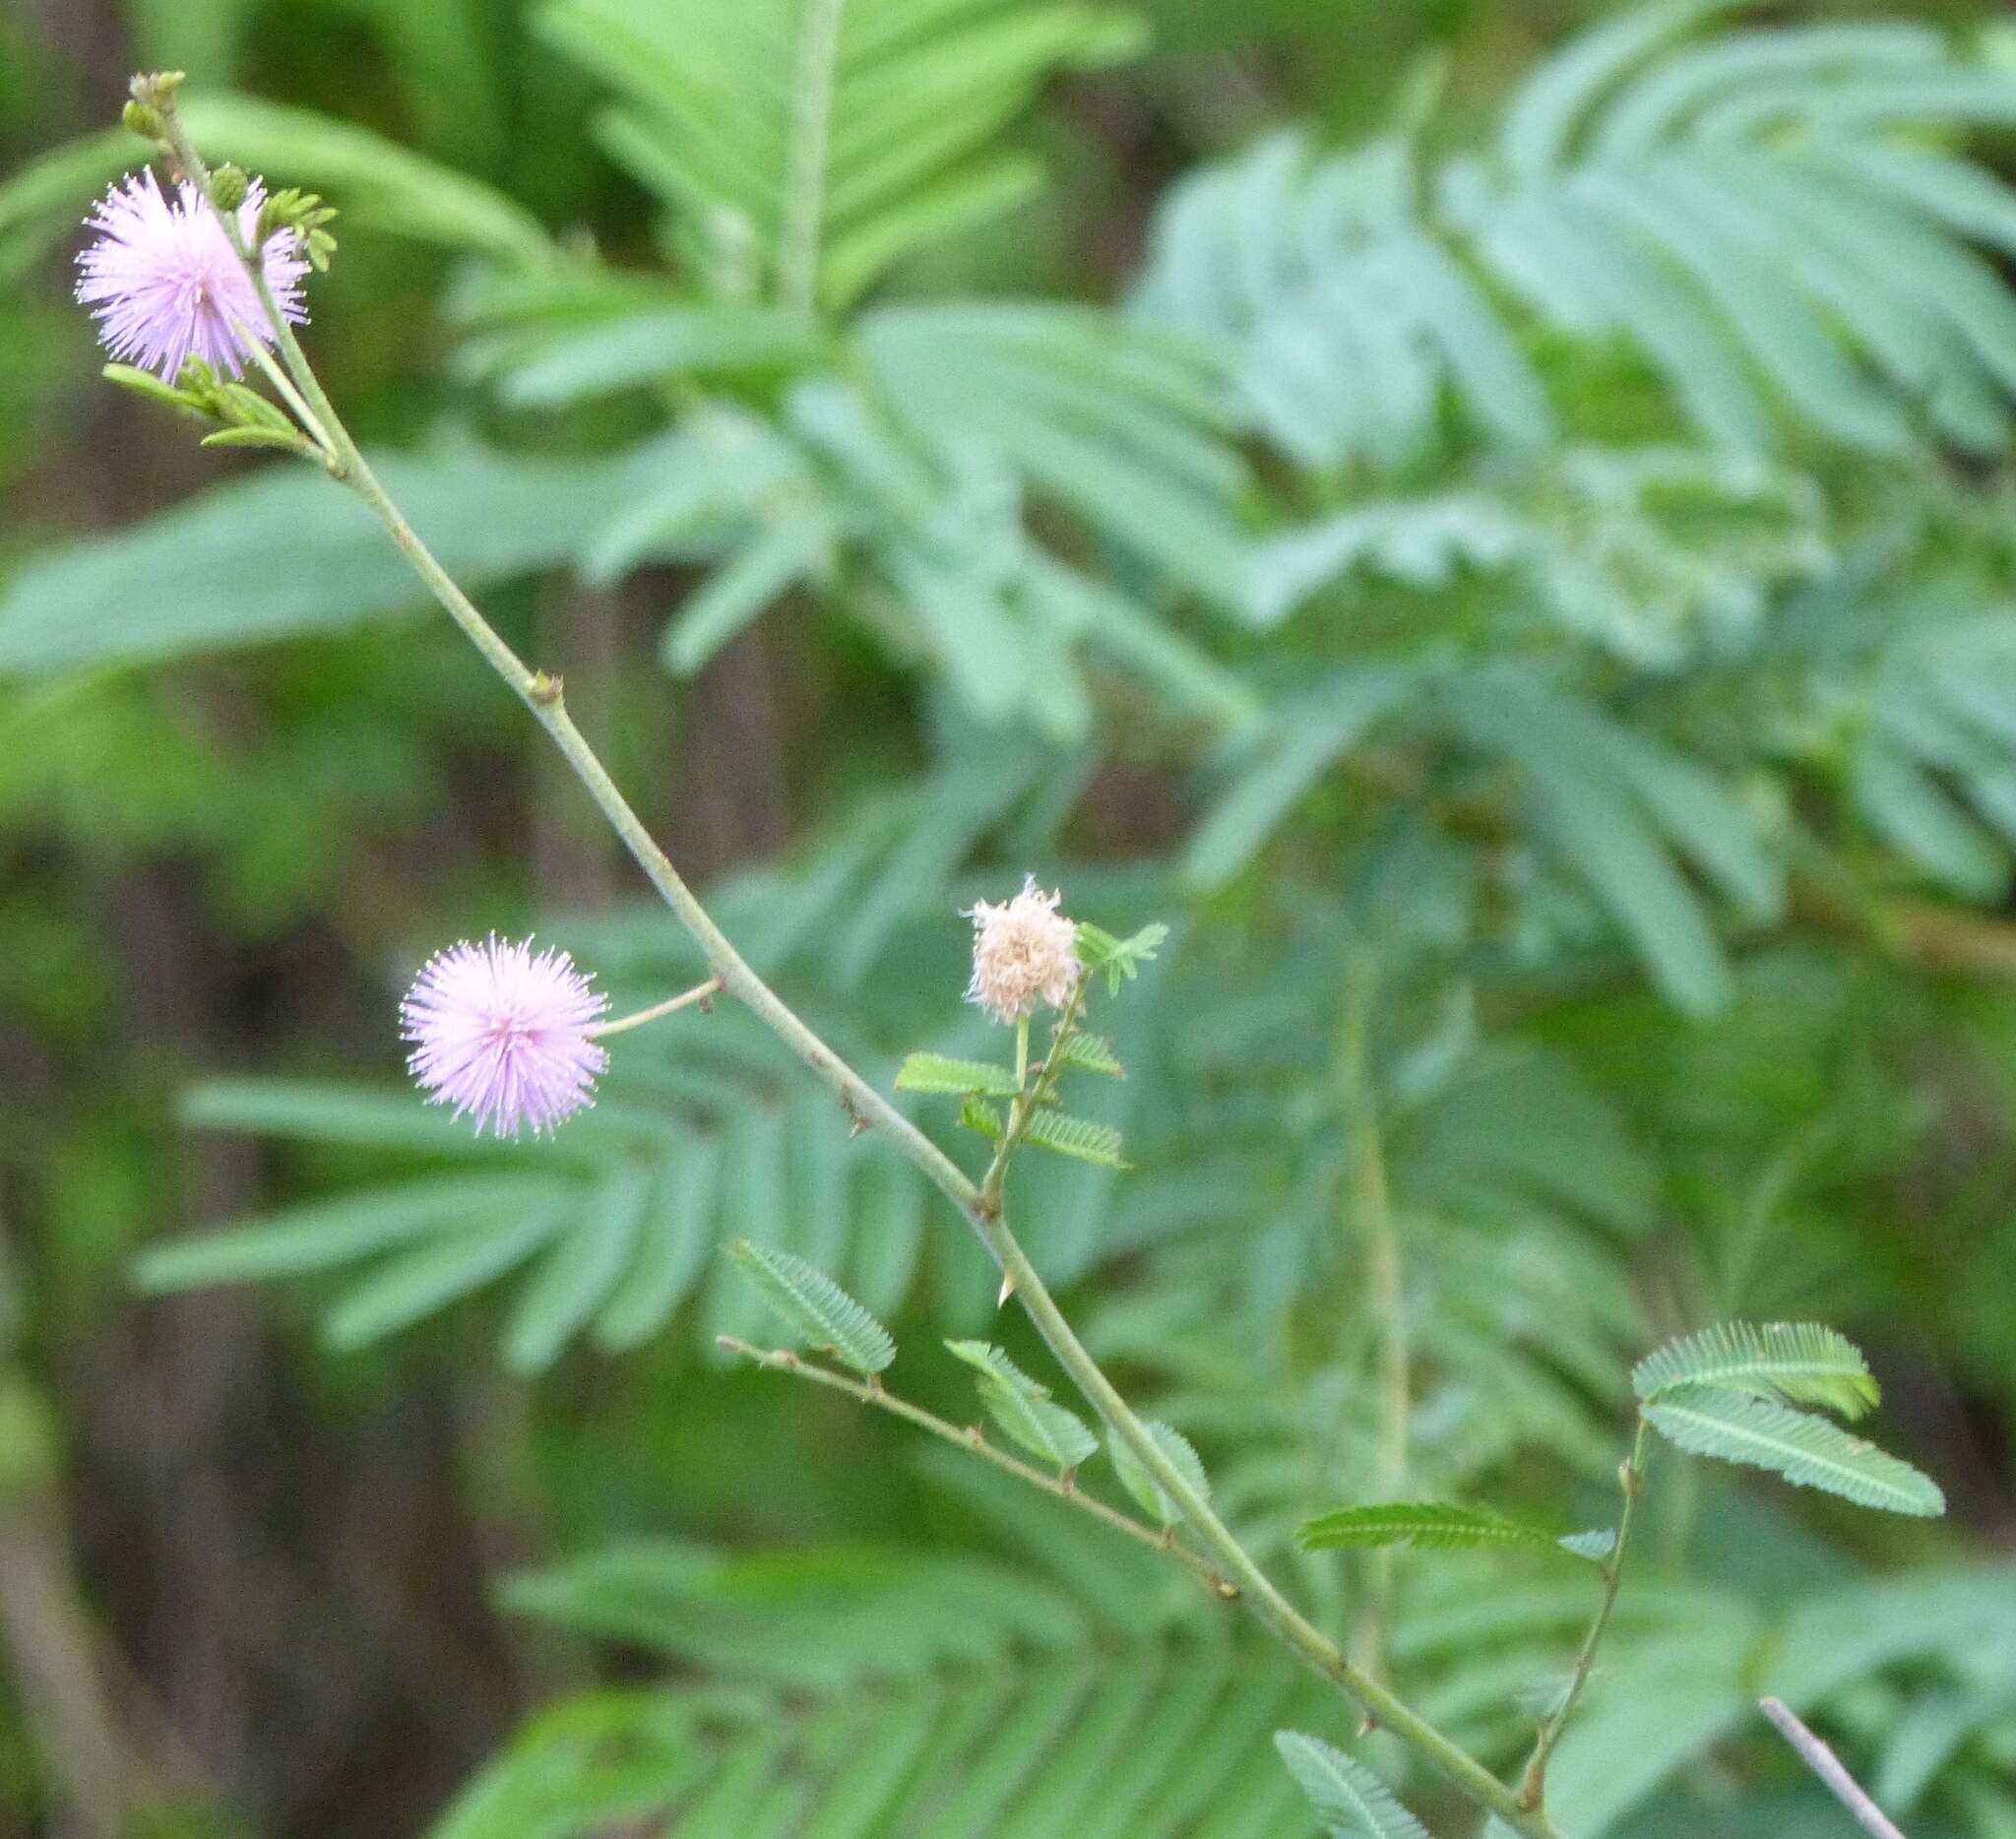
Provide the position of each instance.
(1371, 1214)
(542, 695)
(700, 993)
(970, 1437)
(292, 397)
(811, 135)
(1631, 1484)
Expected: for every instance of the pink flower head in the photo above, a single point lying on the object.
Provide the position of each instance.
(503, 1035)
(1024, 952)
(165, 285)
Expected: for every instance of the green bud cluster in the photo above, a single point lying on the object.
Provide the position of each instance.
(304, 213)
(240, 414)
(227, 187)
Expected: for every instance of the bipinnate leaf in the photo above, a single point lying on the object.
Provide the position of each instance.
(1025, 1410)
(822, 1312)
(1430, 1525)
(1138, 1482)
(1352, 1802)
(934, 1072)
(1076, 1136)
(1806, 1450)
(1094, 1053)
(1795, 1363)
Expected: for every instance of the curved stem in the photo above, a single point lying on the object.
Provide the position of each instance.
(1631, 1482)
(622, 1025)
(542, 695)
(782, 1360)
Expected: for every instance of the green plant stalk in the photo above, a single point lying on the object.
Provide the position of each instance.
(1631, 1484)
(811, 131)
(782, 1360)
(1371, 1210)
(542, 695)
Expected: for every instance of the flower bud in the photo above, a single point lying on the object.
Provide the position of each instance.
(227, 187)
(145, 120)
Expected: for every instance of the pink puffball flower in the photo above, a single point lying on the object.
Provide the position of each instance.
(165, 285)
(1024, 952)
(504, 1036)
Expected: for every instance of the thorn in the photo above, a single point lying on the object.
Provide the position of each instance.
(1007, 1290)
(975, 1436)
(1368, 1725)
(1067, 1480)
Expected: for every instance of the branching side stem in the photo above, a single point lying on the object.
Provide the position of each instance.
(542, 695)
(1631, 1484)
(782, 1360)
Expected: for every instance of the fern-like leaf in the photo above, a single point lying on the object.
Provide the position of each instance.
(822, 1312)
(1807, 1451)
(817, 142)
(934, 1072)
(1429, 1525)
(1796, 1363)
(1347, 1796)
(1138, 1482)
(1079, 1137)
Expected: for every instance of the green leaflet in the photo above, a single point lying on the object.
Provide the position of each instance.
(1139, 1483)
(1077, 1137)
(1353, 1802)
(1094, 1053)
(1797, 1362)
(1025, 1410)
(1119, 957)
(1807, 1451)
(823, 1313)
(1430, 1525)
(934, 1072)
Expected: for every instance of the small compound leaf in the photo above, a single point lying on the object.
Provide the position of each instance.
(1795, 1363)
(1076, 1136)
(934, 1072)
(1806, 1450)
(1429, 1525)
(822, 1312)
(1094, 1053)
(1025, 1410)
(977, 1115)
(1138, 1482)
(1099, 950)
(1347, 1796)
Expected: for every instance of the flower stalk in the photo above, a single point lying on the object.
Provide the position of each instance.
(981, 1205)
(702, 993)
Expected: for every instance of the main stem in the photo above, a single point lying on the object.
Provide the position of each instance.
(543, 696)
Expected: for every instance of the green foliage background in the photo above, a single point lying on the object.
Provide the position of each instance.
(1511, 558)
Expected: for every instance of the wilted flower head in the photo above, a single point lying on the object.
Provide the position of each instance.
(504, 1035)
(1024, 952)
(165, 283)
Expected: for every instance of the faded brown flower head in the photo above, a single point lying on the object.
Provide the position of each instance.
(1024, 952)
